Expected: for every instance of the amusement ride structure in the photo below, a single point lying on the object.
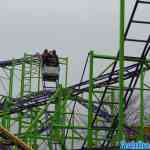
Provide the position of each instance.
(37, 115)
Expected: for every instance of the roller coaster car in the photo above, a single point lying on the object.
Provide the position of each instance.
(50, 73)
(50, 66)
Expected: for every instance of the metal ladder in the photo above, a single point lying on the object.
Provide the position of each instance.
(106, 142)
(32, 67)
(134, 79)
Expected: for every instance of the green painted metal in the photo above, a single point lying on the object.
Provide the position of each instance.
(30, 72)
(6, 120)
(126, 58)
(30, 121)
(10, 91)
(90, 103)
(57, 134)
(22, 78)
(64, 62)
(21, 93)
(39, 75)
(11, 79)
(28, 130)
(142, 106)
(66, 74)
(121, 71)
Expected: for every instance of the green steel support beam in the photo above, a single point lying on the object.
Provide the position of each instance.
(121, 71)
(66, 73)
(21, 93)
(31, 67)
(11, 82)
(28, 71)
(6, 119)
(39, 75)
(58, 130)
(141, 138)
(56, 135)
(22, 79)
(11, 79)
(66, 96)
(35, 121)
(126, 58)
(30, 87)
(90, 103)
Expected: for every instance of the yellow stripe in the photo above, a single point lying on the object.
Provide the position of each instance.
(15, 139)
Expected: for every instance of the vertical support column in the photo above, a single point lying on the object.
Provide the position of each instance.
(31, 67)
(121, 70)
(57, 135)
(6, 119)
(90, 103)
(22, 78)
(141, 138)
(66, 78)
(57, 115)
(21, 92)
(39, 74)
(11, 79)
(40, 113)
(66, 95)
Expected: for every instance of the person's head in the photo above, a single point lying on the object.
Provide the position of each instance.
(50, 52)
(46, 51)
(54, 52)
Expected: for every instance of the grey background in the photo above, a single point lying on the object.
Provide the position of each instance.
(72, 27)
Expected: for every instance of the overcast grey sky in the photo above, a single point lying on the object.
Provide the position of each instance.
(73, 27)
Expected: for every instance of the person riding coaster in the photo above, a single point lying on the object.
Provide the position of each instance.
(50, 62)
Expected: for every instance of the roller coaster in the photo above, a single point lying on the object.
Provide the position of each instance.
(86, 115)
